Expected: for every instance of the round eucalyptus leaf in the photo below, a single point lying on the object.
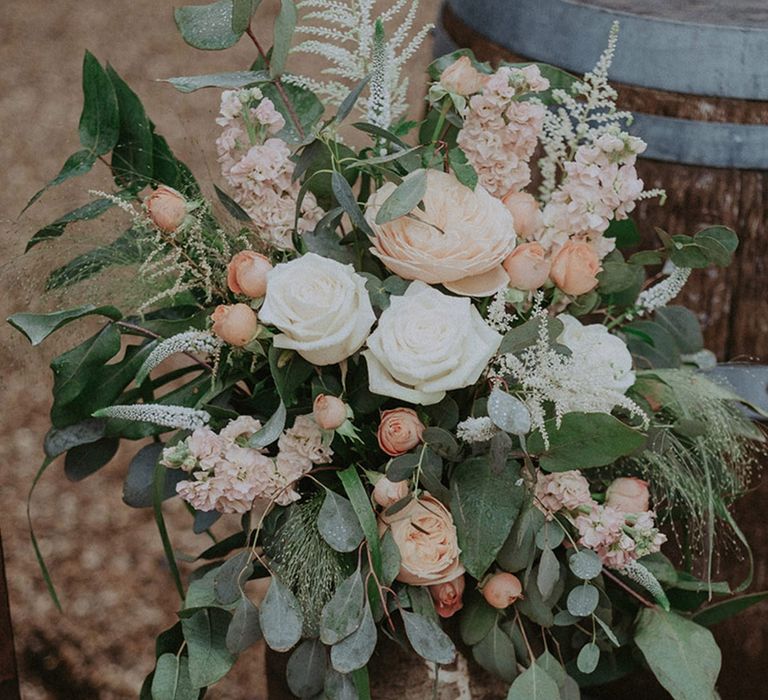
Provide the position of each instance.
(588, 658)
(585, 564)
(338, 524)
(549, 536)
(583, 600)
(508, 412)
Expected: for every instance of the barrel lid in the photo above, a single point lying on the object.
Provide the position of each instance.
(700, 47)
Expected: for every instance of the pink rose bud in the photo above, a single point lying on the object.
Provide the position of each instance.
(400, 430)
(628, 494)
(502, 589)
(386, 493)
(527, 266)
(575, 267)
(462, 78)
(167, 208)
(247, 274)
(525, 213)
(329, 412)
(235, 324)
(447, 596)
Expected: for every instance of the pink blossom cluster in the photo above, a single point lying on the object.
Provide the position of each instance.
(501, 131)
(600, 184)
(228, 476)
(257, 166)
(561, 491)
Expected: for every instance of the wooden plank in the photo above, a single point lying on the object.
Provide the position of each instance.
(9, 675)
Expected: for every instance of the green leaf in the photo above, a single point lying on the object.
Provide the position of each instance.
(132, 154)
(534, 684)
(280, 617)
(404, 198)
(244, 628)
(720, 244)
(306, 106)
(231, 576)
(548, 574)
(158, 484)
(584, 440)
(476, 618)
(271, 431)
(339, 686)
(652, 345)
(647, 257)
(171, 679)
(306, 669)
(585, 564)
(462, 168)
(231, 205)
(484, 506)
(718, 612)
(343, 613)
(355, 651)
(617, 276)
(508, 412)
(588, 658)
(390, 558)
(99, 122)
(519, 549)
(37, 327)
(684, 327)
(83, 460)
(350, 100)
(583, 600)
(441, 442)
(526, 334)
(325, 241)
(428, 639)
(138, 485)
(207, 27)
(496, 654)
(549, 536)
(289, 371)
(242, 11)
(205, 633)
(59, 440)
(285, 25)
(402, 467)
(683, 655)
(77, 164)
(88, 211)
(338, 524)
(625, 232)
(346, 199)
(221, 81)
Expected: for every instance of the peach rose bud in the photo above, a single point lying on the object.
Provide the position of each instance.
(462, 78)
(386, 493)
(525, 213)
(502, 589)
(235, 324)
(400, 431)
(628, 494)
(329, 412)
(527, 266)
(447, 596)
(167, 208)
(575, 267)
(247, 274)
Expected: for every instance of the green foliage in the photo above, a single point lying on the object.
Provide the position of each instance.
(484, 507)
(37, 327)
(244, 628)
(428, 639)
(718, 612)
(338, 524)
(205, 633)
(343, 613)
(404, 199)
(306, 669)
(171, 679)
(584, 440)
(496, 653)
(711, 246)
(207, 27)
(683, 655)
(88, 211)
(280, 617)
(285, 24)
(354, 652)
(534, 684)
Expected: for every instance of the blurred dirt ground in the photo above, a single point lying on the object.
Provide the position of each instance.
(105, 558)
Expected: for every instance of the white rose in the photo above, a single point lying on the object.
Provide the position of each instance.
(601, 356)
(428, 343)
(321, 307)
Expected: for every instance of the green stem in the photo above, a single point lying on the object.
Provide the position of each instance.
(440, 121)
(157, 506)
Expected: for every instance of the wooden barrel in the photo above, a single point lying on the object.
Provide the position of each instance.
(695, 75)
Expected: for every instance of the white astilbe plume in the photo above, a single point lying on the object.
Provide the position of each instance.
(343, 32)
(479, 429)
(548, 376)
(179, 417)
(189, 341)
(665, 291)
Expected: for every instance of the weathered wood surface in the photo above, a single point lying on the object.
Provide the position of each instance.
(9, 676)
(732, 303)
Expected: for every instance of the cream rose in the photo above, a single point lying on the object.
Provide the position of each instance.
(426, 537)
(321, 307)
(462, 78)
(459, 240)
(426, 344)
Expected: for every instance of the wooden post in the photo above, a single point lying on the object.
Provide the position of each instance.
(9, 675)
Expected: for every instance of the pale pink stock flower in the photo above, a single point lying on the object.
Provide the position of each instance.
(305, 439)
(205, 446)
(561, 490)
(240, 427)
(600, 528)
(268, 116)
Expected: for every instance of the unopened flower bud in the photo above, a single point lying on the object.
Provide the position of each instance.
(235, 324)
(502, 589)
(386, 493)
(527, 266)
(167, 208)
(575, 267)
(247, 274)
(329, 412)
(525, 213)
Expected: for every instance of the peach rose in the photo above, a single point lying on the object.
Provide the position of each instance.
(527, 266)
(247, 274)
(235, 324)
(329, 412)
(628, 494)
(426, 537)
(462, 78)
(447, 596)
(166, 208)
(525, 213)
(399, 431)
(575, 267)
(386, 493)
(502, 589)
(459, 240)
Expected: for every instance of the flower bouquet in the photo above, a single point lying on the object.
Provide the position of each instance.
(402, 371)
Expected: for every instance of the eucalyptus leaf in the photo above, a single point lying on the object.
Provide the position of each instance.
(280, 617)
(585, 564)
(350, 100)
(402, 467)
(355, 651)
(519, 548)
(390, 558)
(59, 440)
(534, 684)
(339, 686)
(508, 412)
(588, 658)
(285, 25)
(441, 442)
(171, 680)
(404, 199)
(496, 654)
(84, 460)
(583, 600)
(231, 576)
(271, 430)
(346, 199)
(244, 628)
(338, 524)
(207, 27)
(242, 10)
(476, 618)
(428, 639)
(343, 613)
(548, 573)
(205, 633)
(549, 536)
(462, 168)
(233, 80)
(306, 669)
(137, 488)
